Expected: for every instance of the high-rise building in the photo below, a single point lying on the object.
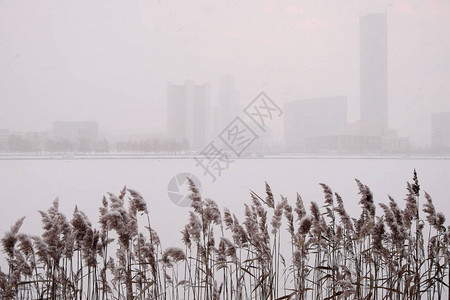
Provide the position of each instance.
(373, 70)
(226, 107)
(313, 118)
(188, 113)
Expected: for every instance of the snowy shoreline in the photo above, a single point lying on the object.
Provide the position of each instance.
(61, 156)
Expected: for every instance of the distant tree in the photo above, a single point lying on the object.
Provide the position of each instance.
(102, 146)
(3, 146)
(59, 146)
(185, 145)
(85, 145)
(16, 143)
(154, 145)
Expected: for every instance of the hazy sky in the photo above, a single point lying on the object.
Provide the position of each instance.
(111, 61)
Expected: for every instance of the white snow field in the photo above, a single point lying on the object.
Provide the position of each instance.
(31, 185)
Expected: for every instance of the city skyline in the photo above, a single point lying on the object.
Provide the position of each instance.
(147, 146)
(58, 70)
(321, 124)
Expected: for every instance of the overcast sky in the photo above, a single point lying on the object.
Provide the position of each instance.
(110, 61)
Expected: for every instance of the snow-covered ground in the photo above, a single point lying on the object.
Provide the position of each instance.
(31, 185)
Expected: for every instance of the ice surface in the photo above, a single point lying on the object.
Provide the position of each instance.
(31, 185)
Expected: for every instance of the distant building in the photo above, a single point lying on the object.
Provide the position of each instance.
(262, 144)
(373, 70)
(188, 113)
(82, 135)
(226, 107)
(360, 138)
(440, 131)
(321, 125)
(313, 118)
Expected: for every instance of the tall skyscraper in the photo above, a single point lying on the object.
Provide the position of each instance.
(373, 70)
(188, 113)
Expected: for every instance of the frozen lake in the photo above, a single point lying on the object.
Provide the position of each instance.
(31, 185)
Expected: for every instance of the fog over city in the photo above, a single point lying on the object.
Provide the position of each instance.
(111, 62)
(206, 149)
